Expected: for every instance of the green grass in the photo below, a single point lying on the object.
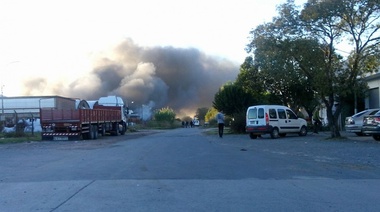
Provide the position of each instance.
(10, 138)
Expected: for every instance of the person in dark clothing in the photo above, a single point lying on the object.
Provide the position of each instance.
(317, 121)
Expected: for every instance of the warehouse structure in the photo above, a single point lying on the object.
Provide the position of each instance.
(28, 107)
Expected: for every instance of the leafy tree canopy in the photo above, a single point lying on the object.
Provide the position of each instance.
(232, 99)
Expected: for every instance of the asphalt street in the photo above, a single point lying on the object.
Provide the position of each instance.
(189, 169)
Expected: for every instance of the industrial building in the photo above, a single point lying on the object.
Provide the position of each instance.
(28, 107)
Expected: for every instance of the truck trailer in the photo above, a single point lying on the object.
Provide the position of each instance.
(107, 116)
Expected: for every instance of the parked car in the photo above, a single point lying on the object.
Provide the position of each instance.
(276, 120)
(371, 125)
(354, 123)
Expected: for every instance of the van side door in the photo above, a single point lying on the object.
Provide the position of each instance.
(293, 123)
(282, 121)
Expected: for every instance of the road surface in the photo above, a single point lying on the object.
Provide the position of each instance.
(189, 170)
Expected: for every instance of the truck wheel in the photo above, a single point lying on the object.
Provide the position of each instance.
(85, 136)
(115, 129)
(103, 130)
(274, 134)
(91, 132)
(376, 137)
(124, 129)
(95, 132)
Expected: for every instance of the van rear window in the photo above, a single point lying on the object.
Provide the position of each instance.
(252, 113)
(255, 113)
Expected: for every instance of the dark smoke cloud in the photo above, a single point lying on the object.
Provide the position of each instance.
(181, 78)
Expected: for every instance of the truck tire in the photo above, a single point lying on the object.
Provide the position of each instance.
(115, 129)
(91, 132)
(95, 132)
(124, 129)
(103, 130)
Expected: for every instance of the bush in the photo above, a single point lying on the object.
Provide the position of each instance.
(238, 123)
(165, 115)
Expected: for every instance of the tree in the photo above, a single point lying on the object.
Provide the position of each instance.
(302, 47)
(210, 115)
(233, 100)
(282, 61)
(165, 115)
(201, 113)
(252, 81)
(330, 22)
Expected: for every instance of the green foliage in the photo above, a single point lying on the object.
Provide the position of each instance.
(238, 123)
(210, 115)
(201, 113)
(165, 115)
(14, 137)
(231, 98)
(154, 124)
(296, 54)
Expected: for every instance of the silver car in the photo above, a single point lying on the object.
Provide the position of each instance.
(354, 123)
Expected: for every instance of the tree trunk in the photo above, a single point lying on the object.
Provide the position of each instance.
(332, 117)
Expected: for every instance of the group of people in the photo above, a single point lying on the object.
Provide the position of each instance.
(219, 119)
(185, 124)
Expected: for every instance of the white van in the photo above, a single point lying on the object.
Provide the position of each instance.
(276, 120)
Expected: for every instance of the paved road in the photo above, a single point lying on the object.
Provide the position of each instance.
(187, 170)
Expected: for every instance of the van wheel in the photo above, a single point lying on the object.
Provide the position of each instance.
(274, 133)
(303, 131)
(376, 137)
(252, 136)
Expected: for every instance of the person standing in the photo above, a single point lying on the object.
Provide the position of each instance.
(220, 121)
(317, 121)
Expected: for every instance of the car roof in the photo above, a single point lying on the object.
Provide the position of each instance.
(366, 112)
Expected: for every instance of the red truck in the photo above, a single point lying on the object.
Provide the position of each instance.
(75, 124)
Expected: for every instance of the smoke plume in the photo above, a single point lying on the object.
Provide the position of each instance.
(183, 79)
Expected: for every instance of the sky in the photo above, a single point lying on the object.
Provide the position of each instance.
(165, 53)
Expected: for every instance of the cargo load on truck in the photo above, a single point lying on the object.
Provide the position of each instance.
(107, 116)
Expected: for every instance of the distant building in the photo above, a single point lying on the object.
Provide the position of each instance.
(372, 99)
